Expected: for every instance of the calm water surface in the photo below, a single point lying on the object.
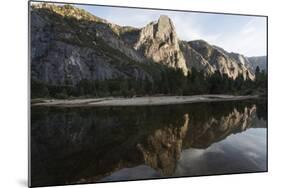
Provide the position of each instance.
(79, 145)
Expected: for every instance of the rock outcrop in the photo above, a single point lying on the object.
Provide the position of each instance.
(196, 60)
(69, 44)
(230, 64)
(159, 42)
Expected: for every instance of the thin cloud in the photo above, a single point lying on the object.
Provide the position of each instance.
(250, 39)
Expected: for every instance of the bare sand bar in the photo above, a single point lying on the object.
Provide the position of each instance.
(138, 101)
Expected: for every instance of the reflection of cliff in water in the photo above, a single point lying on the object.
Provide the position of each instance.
(162, 148)
(87, 144)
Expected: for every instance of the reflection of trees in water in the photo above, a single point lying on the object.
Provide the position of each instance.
(262, 110)
(85, 144)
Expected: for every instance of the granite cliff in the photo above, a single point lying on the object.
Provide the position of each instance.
(69, 44)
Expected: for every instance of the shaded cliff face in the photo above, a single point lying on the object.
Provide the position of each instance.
(69, 44)
(260, 61)
(88, 144)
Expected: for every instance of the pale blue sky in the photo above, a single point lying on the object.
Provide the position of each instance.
(234, 33)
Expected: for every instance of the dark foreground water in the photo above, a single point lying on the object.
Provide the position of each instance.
(80, 145)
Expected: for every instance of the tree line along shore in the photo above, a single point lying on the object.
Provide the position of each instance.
(169, 82)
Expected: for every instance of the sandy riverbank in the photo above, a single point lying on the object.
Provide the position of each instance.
(138, 101)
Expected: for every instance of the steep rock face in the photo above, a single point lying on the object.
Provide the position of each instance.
(195, 60)
(159, 42)
(260, 61)
(69, 45)
(231, 64)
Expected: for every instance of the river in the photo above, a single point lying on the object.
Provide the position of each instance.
(97, 144)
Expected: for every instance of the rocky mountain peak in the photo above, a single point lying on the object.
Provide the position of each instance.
(83, 37)
(165, 23)
(164, 19)
(158, 41)
(165, 29)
